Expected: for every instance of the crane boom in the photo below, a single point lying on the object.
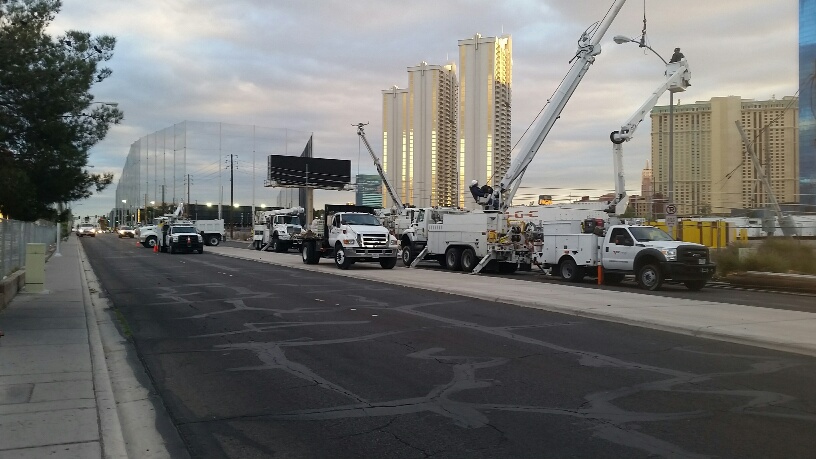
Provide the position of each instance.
(588, 48)
(678, 78)
(394, 197)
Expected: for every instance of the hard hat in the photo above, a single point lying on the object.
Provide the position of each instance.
(475, 182)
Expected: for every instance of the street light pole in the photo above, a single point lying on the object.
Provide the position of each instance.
(619, 39)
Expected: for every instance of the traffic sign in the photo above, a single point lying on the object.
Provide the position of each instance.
(671, 221)
(671, 209)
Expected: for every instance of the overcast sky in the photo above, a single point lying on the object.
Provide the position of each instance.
(320, 65)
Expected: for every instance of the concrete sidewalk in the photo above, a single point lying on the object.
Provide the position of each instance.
(789, 331)
(68, 384)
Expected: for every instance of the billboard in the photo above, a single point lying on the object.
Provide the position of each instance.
(297, 171)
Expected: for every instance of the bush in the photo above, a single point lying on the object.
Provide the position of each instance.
(777, 255)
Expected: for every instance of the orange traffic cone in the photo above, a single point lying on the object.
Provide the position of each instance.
(156, 248)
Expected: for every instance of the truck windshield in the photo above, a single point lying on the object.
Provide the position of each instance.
(183, 229)
(649, 233)
(360, 219)
(290, 220)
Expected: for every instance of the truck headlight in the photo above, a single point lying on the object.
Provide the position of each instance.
(200, 238)
(349, 242)
(392, 241)
(174, 239)
(670, 254)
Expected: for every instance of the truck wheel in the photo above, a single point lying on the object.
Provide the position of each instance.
(468, 260)
(695, 285)
(308, 253)
(213, 240)
(388, 263)
(172, 249)
(570, 271)
(649, 277)
(408, 255)
(278, 246)
(613, 278)
(340, 258)
(453, 259)
(150, 242)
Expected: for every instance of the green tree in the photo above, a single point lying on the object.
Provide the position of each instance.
(48, 118)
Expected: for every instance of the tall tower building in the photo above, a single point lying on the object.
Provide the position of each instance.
(807, 109)
(396, 162)
(433, 92)
(485, 78)
(713, 172)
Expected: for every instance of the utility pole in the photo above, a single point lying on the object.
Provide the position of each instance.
(232, 191)
(189, 179)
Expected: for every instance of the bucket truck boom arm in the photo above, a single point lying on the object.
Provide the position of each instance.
(588, 48)
(678, 78)
(394, 197)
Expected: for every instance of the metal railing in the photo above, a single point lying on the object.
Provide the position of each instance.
(14, 235)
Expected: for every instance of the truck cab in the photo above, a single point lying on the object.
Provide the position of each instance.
(653, 256)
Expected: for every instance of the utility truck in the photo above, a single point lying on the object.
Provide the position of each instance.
(180, 236)
(349, 234)
(211, 231)
(645, 252)
(278, 229)
(488, 234)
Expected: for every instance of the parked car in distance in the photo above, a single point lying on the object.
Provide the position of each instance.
(126, 231)
(86, 229)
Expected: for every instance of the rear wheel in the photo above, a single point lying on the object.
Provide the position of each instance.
(151, 242)
(453, 260)
(650, 278)
(695, 285)
(570, 270)
(388, 263)
(308, 253)
(213, 240)
(469, 260)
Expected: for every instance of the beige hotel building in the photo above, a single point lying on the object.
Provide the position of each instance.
(713, 171)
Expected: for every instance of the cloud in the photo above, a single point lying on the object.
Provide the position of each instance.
(318, 66)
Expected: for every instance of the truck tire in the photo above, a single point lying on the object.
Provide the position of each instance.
(172, 249)
(340, 258)
(308, 253)
(570, 271)
(407, 254)
(388, 263)
(150, 242)
(695, 285)
(278, 246)
(453, 259)
(213, 239)
(468, 260)
(649, 277)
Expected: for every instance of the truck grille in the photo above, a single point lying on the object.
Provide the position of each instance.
(292, 229)
(374, 240)
(692, 255)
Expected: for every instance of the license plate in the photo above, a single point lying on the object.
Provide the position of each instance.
(703, 270)
(701, 261)
(375, 255)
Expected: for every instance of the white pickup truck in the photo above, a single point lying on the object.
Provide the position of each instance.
(350, 234)
(646, 252)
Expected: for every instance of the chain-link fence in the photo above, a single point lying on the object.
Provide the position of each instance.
(14, 235)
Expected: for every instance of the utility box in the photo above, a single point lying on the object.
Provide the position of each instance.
(35, 267)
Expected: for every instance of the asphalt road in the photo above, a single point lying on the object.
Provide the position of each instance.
(257, 360)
